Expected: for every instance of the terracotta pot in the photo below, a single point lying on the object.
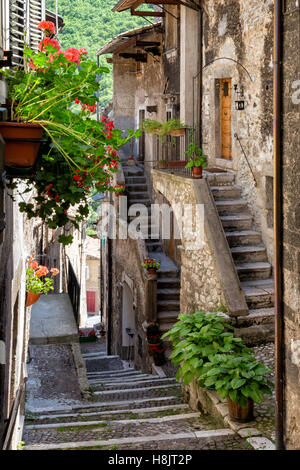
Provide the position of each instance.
(31, 298)
(197, 172)
(177, 132)
(22, 143)
(159, 360)
(237, 413)
(151, 271)
(151, 346)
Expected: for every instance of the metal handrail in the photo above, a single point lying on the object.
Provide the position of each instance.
(247, 160)
(74, 291)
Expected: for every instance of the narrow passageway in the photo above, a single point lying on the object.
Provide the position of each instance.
(128, 409)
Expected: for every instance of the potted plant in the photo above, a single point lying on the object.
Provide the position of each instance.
(119, 189)
(162, 164)
(172, 127)
(36, 282)
(153, 336)
(240, 379)
(197, 161)
(158, 355)
(79, 154)
(130, 161)
(151, 265)
(205, 348)
(88, 336)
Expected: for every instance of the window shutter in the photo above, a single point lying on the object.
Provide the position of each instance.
(24, 16)
(36, 14)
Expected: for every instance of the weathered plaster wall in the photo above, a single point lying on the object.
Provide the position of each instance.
(291, 219)
(242, 31)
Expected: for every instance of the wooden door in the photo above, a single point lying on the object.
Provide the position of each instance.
(91, 301)
(226, 136)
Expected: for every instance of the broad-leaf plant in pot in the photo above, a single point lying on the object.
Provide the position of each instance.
(197, 159)
(53, 94)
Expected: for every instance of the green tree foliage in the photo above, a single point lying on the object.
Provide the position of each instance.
(90, 24)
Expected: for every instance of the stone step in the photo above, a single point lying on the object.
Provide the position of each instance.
(254, 270)
(243, 238)
(144, 201)
(231, 206)
(127, 379)
(132, 172)
(164, 274)
(259, 297)
(137, 187)
(166, 440)
(121, 422)
(133, 385)
(143, 392)
(168, 294)
(244, 254)
(167, 316)
(139, 195)
(237, 222)
(110, 414)
(226, 192)
(168, 282)
(259, 316)
(219, 179)
(168, 305)
(108, 406)
(132, 180)
(113, 373)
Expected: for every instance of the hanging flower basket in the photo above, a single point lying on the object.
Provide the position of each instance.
(178, 132)
(31, 298)
(22, 143)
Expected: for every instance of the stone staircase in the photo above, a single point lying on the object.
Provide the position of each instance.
(168, 282)
(128, 410)
(247, 248)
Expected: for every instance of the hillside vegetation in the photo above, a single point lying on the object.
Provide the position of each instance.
(91, 24)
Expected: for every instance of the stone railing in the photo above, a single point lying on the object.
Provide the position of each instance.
(208, 276)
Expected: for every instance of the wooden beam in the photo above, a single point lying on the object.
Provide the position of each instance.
(147, 43)
(162, 2)
(127, 44)
(136, 57)
(147, 13)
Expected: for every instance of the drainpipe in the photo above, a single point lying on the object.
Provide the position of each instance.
(278, 279)
(109, 262)
(200, 75)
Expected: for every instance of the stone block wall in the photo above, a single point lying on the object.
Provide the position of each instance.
(291, 220)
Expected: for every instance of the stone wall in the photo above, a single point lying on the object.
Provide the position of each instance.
(291, 220)
(241, 33)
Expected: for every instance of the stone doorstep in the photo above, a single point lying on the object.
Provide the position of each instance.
(133, 383)
(160, 419)
(133, 440)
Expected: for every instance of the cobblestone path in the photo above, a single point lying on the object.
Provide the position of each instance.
(128, 410)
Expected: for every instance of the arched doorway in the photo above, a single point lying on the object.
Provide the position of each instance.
(128, 323)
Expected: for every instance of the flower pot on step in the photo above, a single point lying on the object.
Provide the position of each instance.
(151, 271)
(22, 143)
(240, 414)
(197, 172)
(152, 346)
(31, 298)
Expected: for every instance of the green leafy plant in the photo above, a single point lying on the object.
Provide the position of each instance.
(36, 282)
(205, 348)
(239, 377)
(57, 90)
(195, 154)
(162, 129)
(197, 336)
(151, 263)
